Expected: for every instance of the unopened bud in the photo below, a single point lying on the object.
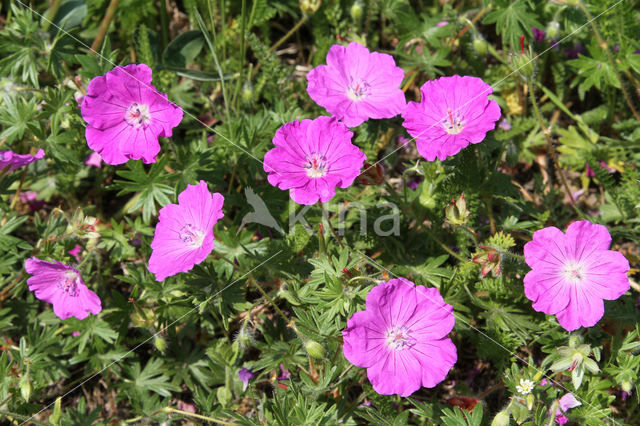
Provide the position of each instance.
(552, 29)
(160, 343)
(25, 387)
(247, 93)
(356, 11)
(456, 213)
(627, 386)
(309, 7)
(315, 349)
(523, 65)
(480, 45)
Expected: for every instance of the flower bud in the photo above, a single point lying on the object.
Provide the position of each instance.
(480, 45)
(54, 418)
(627, 386)
(522, 64)
(309, 7)
(552, 29)
(247, 93)
(530, 400)
(315, 349)
(160, 343)
(456, 213)
(372, 175)
(25, 387)
(356, 11)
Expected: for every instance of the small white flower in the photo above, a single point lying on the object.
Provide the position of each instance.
(525, 387)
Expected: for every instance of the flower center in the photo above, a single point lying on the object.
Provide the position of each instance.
(398, 338)
(573, 272)
(137, 115)
(68, 283)
(358, 89)
(191, 235)
(453, 123)
(316, 165)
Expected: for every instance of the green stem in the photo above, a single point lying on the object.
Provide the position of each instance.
(104, 25)
(552, 151)
(197, 416)
(243, 24)
(610, 57)
(53, 11)
(291, 32)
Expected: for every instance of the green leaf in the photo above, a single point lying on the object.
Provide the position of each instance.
(512, 20)
(183, 49)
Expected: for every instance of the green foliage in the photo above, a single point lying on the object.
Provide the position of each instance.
(275, 300)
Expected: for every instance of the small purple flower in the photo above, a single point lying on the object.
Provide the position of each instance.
(404, 141)
(538, 34)
(31, 198)
(15, 161)
(75, 252)
(284, 373)
(414, 182)
(93, 160)
(577, 49)
(245, 375)
(184, 234)
(543, 382)
(442, 24)
(62, 286)
(75, 334)
(504, 124)
(125, 115)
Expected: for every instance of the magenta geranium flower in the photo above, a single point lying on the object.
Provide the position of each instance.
(62, 286)
(184, 234)
(311, 158)
(401, 337)
(125, 115)
(572, 273)
(453, 112)
(15, 161)
(357, 85)
(567, 402)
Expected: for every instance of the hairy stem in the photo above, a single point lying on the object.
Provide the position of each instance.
(104, 25)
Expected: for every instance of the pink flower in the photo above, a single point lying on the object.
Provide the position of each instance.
(453, 112)
(31, 198)
(572, 273)
(75, 252)
(400, 337)
(442, 24)
(311, 158)
(184, 234)
(15, 161)
(62, 286)
(126, 114)
(567, 402)
(75, 334)
(357, 85)
(93, 160)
